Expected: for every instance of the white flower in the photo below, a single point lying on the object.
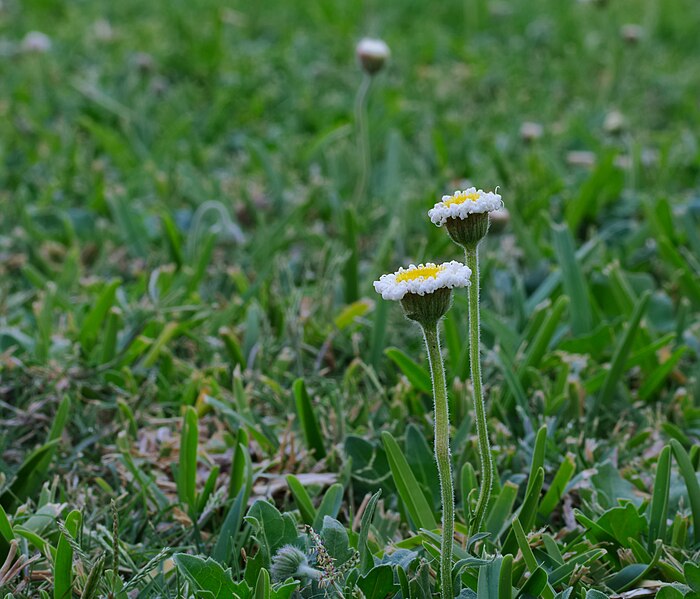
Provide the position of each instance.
(463, 203)
(36, 41)
(372, 54)
(422, 279)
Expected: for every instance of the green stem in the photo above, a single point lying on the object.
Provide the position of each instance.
(442, 455)
(361, 120)
(472, 260)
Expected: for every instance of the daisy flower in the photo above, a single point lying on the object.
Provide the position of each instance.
(463, 203)
(465, 215)
(422, 279)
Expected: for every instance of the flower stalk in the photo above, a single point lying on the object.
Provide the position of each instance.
(425, 293)
(472, 261)
(465, 215)
(442, 454)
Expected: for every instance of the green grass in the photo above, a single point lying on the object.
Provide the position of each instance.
(178, 234)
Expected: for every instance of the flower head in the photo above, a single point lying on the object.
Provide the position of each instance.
(465, 214)
(425, 291)
(422, 279)
(372, 54)
(463, 203)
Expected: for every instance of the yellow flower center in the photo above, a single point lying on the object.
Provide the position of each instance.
(462, 197)
(419, 273)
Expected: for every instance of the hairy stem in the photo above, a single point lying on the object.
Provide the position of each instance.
(472, 260)
(442, 455)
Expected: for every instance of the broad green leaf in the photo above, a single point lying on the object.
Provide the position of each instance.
(623, 523)
(206, 574)
(272, 529)
(336, 541)
(378, 583)
(692, 575)
(669, 592)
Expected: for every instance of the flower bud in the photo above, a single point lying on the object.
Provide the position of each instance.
(372, 54)
(429, 308)
(37, 42)
(290, 562)
(468, 232)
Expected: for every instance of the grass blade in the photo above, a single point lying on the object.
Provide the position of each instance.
(308, 421)
(691, 484)
(187, 469)
(556, 489)
(418, 376)
(302, 499)
(573, 281)
(63, 565)
(407, 485)
(614, 376)
(659, 500)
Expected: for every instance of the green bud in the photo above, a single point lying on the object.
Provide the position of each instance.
(429, 308)
(290, 562)
(468, 232)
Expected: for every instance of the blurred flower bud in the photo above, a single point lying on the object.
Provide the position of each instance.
(614, 122)
(36, 41)
(372, 54)
(631, 33)
(499, 220)
(580, 158)
(530, 131)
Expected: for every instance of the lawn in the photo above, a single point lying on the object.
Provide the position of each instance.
(201, 394)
